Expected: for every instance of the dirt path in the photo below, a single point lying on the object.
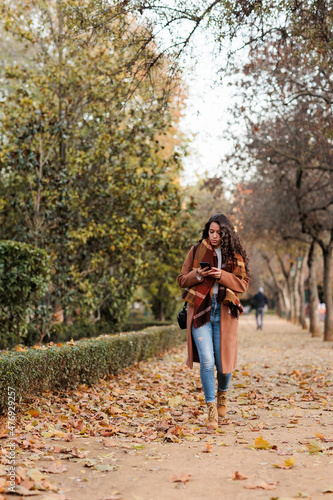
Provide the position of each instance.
(132, 436)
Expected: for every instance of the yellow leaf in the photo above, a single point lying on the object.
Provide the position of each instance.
(289, 462)
(47, 434)
(314, 447)
(73, 408)
(261, 444)
(208, 447)
(60, 434)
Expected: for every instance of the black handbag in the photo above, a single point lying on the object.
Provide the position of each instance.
(182, 317)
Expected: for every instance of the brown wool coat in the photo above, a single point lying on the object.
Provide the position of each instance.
(228, 324)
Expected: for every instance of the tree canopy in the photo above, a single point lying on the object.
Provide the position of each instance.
(90, 152)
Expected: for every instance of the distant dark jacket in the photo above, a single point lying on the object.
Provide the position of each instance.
(259, 301)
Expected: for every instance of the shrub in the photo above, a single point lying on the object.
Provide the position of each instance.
(82, 329)
(38, 370)
(24, 277)
(76, 331)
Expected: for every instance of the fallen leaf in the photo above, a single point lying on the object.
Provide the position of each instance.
(323, 438)
(237, 476)
(180, 478)
(314, 447)
(56, 468)
(109, 443)
(288, 464)
(173, 402)
(3, 484)
(21, 471)
(34, 413)
(261, 444)
(49, 486)
(47, 434)
(114, 496)
(105, 467)
(35, 475)
(90, 462)
(263, 485)
(20, 490)
(328, 490)
(27, 483)
(208, 448)
(76, 453)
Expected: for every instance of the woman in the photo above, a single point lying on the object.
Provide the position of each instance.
(213, 307)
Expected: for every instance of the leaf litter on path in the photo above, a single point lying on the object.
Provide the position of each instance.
(161, 401)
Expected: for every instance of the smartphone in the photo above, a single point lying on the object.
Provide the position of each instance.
(203, 265)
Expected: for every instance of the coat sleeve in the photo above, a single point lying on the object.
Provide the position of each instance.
(188, 276)
(235, 284)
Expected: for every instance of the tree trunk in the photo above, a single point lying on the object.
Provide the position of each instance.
(161, 314)
(301, 295)
(284, 303)
(328, 276)
(313, 299)
(280, 309)
(287, 290)
(295, 292)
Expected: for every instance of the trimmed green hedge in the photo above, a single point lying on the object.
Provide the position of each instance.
(58, 368)
(81, 329)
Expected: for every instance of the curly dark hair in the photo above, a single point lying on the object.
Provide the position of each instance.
(231, 243)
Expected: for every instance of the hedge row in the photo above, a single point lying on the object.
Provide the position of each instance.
(76, 331)
(59, 368)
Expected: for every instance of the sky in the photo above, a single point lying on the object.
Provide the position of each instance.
(205, 119)
(206, 115)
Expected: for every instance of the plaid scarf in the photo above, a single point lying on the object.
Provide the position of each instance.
(200, 295)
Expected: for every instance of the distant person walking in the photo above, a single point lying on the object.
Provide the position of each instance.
(214, 271)
(259, 302)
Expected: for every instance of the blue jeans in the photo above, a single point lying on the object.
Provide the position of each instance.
(260, 317)
(207, 341)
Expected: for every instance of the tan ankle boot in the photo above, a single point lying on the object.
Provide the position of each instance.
(212, 419)
(222, 403)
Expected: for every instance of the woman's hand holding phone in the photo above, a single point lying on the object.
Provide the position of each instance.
(211, 272)
(204, 269)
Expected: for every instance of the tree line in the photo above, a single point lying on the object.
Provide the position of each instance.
(91, 150)
(90, 153)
